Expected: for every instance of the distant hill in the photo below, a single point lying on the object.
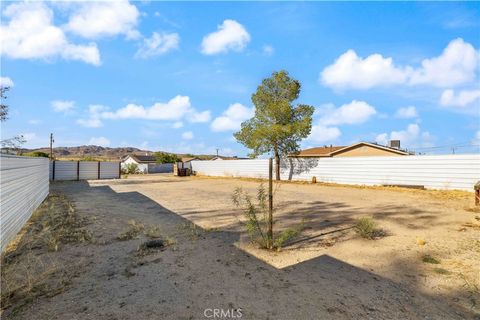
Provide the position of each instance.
(104, 153)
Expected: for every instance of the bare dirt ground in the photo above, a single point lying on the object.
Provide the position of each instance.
(327, 272)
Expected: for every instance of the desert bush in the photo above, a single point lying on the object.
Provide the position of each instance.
(36, 154)
(153, 232)
(367, 228)
(130, 168)
(134, 229)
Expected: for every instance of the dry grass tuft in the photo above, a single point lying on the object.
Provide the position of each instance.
(429, 259)
(475, 209)
(134, 230)
(28, 269)
(153, 232)
(367, 228)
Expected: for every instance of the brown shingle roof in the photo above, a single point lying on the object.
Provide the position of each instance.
(188, 159)
(319, 151)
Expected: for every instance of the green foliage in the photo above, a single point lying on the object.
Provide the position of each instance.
(442, 271)
(278, 125)
(367, 228)
(285, 236)
(130, 168)
(36, 154)
(163, 157)
(257, 215)
(89, 158)
(3, 107)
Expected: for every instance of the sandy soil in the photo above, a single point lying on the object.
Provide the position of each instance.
(328, 272)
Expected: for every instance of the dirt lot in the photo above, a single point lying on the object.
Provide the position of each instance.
(327, 272)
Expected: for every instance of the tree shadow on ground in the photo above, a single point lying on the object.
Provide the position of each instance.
(211, 272)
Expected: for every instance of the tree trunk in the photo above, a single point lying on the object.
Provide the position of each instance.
(277, 166)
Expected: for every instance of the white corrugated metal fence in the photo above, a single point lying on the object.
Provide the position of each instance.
(433, 172)
(84, 170)
(23, 186)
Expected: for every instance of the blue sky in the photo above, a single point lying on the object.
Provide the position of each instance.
(178, 76)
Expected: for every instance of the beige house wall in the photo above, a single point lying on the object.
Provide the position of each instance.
(365, 151)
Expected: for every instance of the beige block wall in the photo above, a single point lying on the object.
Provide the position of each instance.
(365, 151)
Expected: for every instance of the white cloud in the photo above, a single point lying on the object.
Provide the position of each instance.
(62, 105)
(99, 141)
(203, 116)
(90, 123)
(231, 35)
(268, 50)
(34, 121)
(322, 134)
(407, 112)
(175, 109)
(93, 20)
(94, 114)
(352, 71)
(232, 118)
(6, 82)
(460, 99)
(476, 139)
(30, 34)
(412, 136)
(177, 125)
(188, 135)
(158, 44)
(355, 112)
(456, 66)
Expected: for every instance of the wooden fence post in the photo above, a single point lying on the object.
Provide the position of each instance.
(53, 170)
(119, 170)
(270, 203)
(98, 171)
(78, 170)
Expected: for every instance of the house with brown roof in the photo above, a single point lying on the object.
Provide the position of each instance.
(361, 149)
(146, 164)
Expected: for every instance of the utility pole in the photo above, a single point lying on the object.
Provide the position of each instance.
(51, 146)
(217, 151)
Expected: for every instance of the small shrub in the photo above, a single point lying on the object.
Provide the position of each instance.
(130, 168)
(429, 259)
(132, 232)
(284, 237)
(367, 228)
(36, 154)
(153, 232)
(257, 215)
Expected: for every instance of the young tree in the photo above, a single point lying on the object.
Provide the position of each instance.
(3, 107)
(278, 125)
(16, 141)
(163, 157)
